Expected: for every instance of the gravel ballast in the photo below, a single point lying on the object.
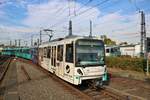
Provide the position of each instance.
(41, 86)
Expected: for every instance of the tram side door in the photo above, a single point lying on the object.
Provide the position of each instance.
(49, 57)
(53, 59)
(69, 62)
(60, 60)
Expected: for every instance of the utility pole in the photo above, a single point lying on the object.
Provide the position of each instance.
(16, 43)
(26, 43)
(40, 36)
(19, 42)
(38, 41)
(90, 29)
(144, 47)
(70, 28)
(143, 35)
(31, 40)
(10, 43)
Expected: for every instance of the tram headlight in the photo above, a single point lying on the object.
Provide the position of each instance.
(79, 72)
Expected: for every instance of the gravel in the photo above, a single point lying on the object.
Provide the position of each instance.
(133, 87)
(41, 86)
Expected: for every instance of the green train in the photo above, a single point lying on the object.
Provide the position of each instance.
(26, 53)
(18, 52)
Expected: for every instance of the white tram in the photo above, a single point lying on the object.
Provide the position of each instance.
(74, 59)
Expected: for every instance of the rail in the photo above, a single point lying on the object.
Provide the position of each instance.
(4, 67)
(26, 73)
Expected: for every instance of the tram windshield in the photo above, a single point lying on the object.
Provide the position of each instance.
(89, 53)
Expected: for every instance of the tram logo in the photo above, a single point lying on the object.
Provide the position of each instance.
(67, 69)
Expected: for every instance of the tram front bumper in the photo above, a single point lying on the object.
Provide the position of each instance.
(79, 79)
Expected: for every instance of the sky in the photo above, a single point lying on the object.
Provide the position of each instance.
(117, 19)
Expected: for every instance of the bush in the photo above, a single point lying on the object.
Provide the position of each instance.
(127, 63)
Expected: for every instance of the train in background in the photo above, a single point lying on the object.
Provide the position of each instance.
(24, 52)
(74, 59)
(112, 50)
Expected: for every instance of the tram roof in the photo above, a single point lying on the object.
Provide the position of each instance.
(67, 39)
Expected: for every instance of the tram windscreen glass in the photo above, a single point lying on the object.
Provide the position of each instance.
(89, 53)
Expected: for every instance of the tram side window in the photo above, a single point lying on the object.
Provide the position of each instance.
(26, 51)
(45, 52)
(60, 52)
(115, 49)
(55, 56)
(41, 52)
(49, 52)
(107, 50)
(112, 50)
(69, 53)
(52, 56)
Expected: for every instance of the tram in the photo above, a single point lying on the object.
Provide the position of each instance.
(75, 59)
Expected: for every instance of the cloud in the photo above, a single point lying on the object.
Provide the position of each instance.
(119, 26)
(8, 33)
(42, 14)
(55, 15)
(15, 29)
(49, 14)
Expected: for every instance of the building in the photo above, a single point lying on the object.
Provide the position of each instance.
(1, 48)
(132, 50)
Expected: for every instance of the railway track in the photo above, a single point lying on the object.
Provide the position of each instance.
(25, 73)
(86, 94)
(102, 93)
(2, 59)
(4, 64)
(64, 84)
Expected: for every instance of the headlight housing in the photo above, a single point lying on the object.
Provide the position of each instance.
(79, 72)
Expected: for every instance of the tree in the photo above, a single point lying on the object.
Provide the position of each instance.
(107, 40)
